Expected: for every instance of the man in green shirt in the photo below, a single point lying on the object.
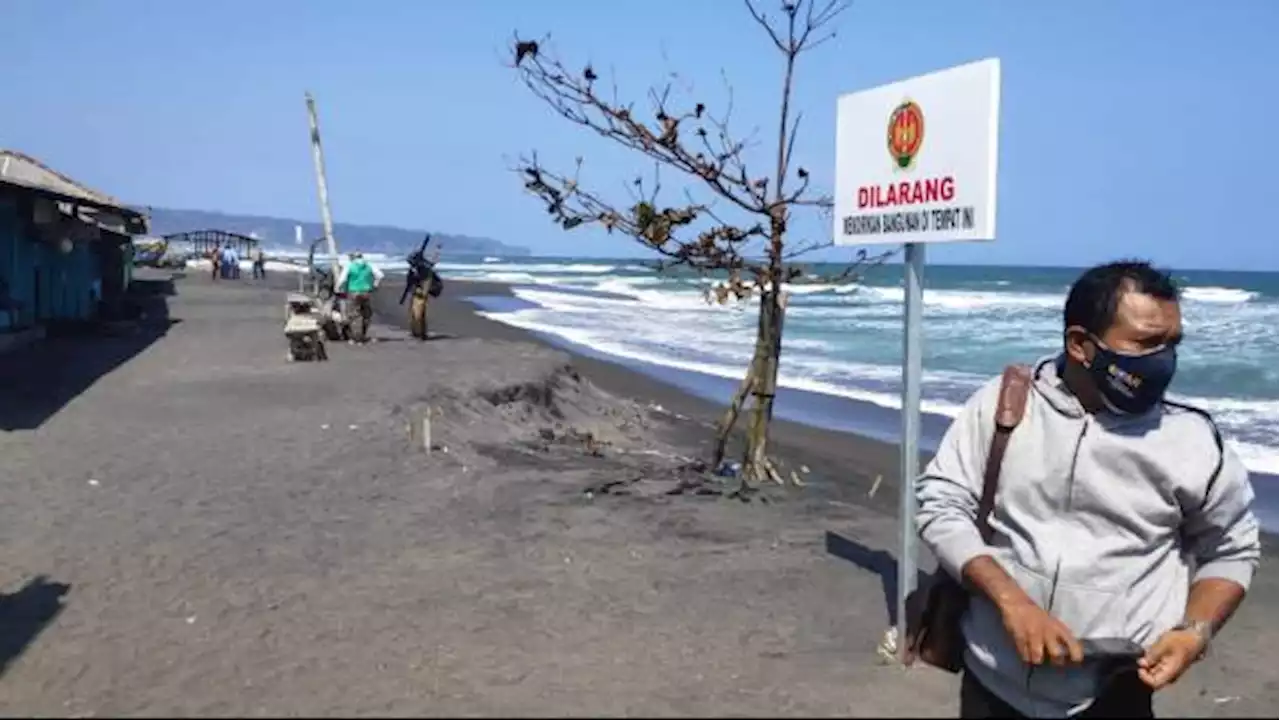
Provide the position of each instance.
(359, 279)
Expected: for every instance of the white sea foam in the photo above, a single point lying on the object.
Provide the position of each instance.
(528, 321)
(624, 285)
(1218, 295)
(819, 288)
(566, 268)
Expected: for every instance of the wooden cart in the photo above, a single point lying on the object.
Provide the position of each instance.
(303, 329)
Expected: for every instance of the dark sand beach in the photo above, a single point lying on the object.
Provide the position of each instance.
(193, 526)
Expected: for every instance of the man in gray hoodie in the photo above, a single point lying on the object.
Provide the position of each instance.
(1118, 515)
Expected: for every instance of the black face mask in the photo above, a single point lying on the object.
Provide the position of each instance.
(1132, 383)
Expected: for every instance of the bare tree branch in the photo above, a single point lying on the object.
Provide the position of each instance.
(739, 235)
(695, 141)
(573, 96)
(763, 21)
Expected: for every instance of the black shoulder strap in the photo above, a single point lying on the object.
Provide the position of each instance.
(1015, 385)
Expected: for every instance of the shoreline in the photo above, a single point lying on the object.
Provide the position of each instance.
(846, 443)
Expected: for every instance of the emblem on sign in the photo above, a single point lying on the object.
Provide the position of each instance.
(906, 133)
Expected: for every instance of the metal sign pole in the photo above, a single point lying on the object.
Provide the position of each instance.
(948, 194)
(912, 369)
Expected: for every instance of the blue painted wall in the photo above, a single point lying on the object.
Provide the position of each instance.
(49, 285)
(10, 319)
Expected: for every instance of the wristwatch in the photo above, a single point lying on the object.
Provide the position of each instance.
(1203, 630)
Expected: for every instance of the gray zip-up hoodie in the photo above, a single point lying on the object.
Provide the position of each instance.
(1103, 520)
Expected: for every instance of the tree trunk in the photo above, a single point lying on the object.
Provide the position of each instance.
(760, 385)
(756, 464)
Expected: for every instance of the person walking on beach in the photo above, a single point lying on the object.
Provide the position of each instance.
(232, 262)
(215, 261)
(359, 279)
(423, 283)
(1120, 518)
(259, 263)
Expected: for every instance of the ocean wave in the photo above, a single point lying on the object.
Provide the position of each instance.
(656, 299)
(945, 300)
(964, 300)
(534, 268)
(819, 288)
(528, 321)
(513, 278)
(624, 285)
(805, 344)
(1218, 295)
(850, 294)
(687, 333)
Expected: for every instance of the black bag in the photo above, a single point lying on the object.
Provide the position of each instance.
(934, 610)
(435, 285)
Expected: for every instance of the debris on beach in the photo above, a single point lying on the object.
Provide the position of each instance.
(655, 480)
(729, 469)
(419, 431)
(887, 649)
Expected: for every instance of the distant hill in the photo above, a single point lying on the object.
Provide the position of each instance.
(279, 233)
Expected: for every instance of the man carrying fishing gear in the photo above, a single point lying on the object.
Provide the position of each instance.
(422, 283)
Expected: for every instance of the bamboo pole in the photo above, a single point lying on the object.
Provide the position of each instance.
(322, 185)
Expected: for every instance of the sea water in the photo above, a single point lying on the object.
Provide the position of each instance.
(845, 339)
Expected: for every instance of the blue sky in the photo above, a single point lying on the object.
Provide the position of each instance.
(1128, 128)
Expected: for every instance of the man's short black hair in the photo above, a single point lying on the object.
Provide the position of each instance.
(1092, 302)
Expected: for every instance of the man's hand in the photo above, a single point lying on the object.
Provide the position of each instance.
(1169, 657)
(1038, 635)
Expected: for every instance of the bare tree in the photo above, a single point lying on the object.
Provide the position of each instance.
(739, 236)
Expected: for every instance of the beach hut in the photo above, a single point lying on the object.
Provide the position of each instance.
(65, 248)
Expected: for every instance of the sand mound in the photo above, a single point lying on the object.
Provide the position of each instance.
(530, 399)
(528, 407)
